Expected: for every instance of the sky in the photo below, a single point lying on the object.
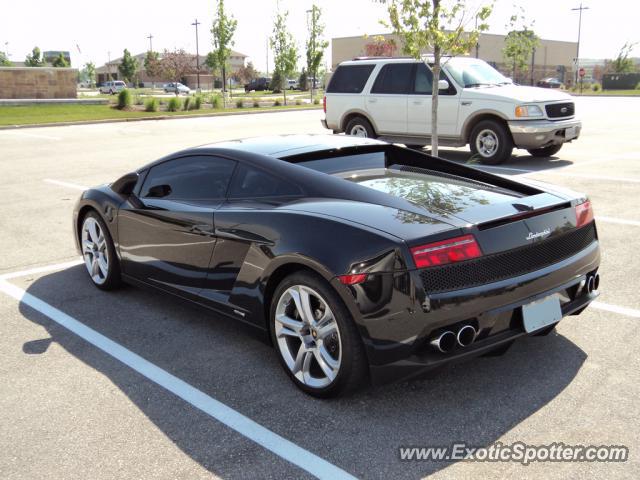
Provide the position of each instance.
(90, 31)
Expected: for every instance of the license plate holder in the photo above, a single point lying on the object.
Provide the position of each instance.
(570, 133)
(541, 313)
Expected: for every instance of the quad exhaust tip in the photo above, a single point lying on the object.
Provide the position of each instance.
(444, 342)
(466, 336)
(593, 283)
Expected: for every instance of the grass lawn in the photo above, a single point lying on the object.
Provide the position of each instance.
(588, 91)
(35, 114)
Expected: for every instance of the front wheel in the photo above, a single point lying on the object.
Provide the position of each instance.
(360, 127)
(316, 340)
(546, 151)
(491, 141)
(99, 253)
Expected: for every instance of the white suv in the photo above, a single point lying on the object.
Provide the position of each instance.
(390, 98)
(112, 87)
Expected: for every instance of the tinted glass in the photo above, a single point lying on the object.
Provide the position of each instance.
(393, 78)
(347, 163)
(349, 79)
(424, 80)
(250, 182)
(191, 178)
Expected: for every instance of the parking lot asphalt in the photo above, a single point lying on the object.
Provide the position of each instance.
(70, 409)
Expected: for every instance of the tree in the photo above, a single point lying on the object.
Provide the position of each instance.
(380, 47)
(246, 73)
(4, 61)
(128, 67)
(303, 79)
(223, 28)
(428, 25)
(176, 64)
(519, 44)
(89, 73)
(622, 63)
(152, 65)
(315, 45)
(60, 62)
(34, 59)
(285, 52)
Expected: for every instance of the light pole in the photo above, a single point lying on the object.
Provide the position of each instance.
(109, 65)
(195, 24)
(6, 49)
(579, 9)
(150, 37)
(313, 48)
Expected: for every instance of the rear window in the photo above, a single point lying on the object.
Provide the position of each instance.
(349, 78)
(394, 78)
(346, 163)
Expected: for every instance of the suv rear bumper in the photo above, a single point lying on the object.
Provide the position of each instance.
(530, 134)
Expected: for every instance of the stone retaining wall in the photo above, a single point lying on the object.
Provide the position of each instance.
(37, 82)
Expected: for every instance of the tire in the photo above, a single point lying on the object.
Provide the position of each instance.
(99, 253)
(333, 338)
(360, 127)
(491, 141)
(545, 152)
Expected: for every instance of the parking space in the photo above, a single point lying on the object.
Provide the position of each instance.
(77, 407)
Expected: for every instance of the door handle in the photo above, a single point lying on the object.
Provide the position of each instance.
(204, 229)
(373, 100)
(465, 104)
(417, 102)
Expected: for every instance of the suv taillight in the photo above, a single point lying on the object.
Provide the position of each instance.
(324, 104)
(446, 251)
(584, 214)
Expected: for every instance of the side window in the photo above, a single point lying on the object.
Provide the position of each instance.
(349, 78)
(393, 78)
(250, 182)
(424, 80)
(200, 177)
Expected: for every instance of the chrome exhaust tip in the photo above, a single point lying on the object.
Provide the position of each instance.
(444, 342)
(590, 284)
(596, 282)
(466, 336)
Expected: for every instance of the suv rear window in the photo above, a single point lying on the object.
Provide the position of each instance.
(349, 78)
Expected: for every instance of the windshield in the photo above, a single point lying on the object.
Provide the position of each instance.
(474, 73)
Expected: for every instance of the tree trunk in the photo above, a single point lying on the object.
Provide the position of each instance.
(224, 87)
(434, 101)
(284, 92)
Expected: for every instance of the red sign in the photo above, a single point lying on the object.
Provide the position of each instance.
(581, 72)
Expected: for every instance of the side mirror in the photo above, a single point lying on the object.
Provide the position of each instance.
(443, 85)
(125, 184)
(509, 79)
(159, 191)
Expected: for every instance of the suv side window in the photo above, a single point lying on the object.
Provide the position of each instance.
(350, 78)
(394, 78)
(250, 182)
(200, 177)
(423, 84)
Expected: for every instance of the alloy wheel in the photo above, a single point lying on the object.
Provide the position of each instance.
(94, 250)
(358, 131)
(308, 336)
(487, 143)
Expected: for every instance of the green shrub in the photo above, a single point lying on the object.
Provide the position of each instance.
(256, 103)
(216, 101)
(240, 103)
(316, 101)
(124, 99)
(197, 103)
(174, 104)
(596, 87)
(638, 86)
(139, 100)
(161, 101)
(187, 102)
(298, 101)
(277, 103)
(151, 105)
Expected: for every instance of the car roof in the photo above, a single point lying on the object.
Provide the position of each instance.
(281, 146)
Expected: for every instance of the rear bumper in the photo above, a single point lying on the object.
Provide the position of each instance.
(530, 134)
(397, 341)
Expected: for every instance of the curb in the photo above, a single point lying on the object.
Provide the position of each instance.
(160, 117)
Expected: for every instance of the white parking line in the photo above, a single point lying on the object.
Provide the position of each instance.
(252, 430)
(559, 171)
(35, 271)
(620, 221)
(629, 312)
(66, 184)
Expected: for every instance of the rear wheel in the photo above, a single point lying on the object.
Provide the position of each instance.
(546, 151)
(360, 127)
(491, 141)
(316, 340)
(99, 253)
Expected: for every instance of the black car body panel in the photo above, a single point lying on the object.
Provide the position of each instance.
(229, 254)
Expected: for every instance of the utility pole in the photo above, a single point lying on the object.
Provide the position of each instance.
(6, 49)
(579, 9)
(196, 23)
(150, 37)
(478, 42)
(109, 65)
(313, 48)
(267, 56)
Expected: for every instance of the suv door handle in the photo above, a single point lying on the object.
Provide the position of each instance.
(372, 100)
(465, 103)
(417, 102)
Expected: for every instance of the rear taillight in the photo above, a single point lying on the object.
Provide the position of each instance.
(353, 279)
(324, 103)
(446, 251)
(584, 214)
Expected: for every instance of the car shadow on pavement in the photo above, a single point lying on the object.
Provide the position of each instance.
(474, 402)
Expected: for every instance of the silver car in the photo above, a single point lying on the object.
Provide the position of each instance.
(172, 87)
(112, 87)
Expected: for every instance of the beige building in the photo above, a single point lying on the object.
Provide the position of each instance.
(552, 58)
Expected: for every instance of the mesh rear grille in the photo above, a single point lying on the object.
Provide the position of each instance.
(560, 109)
(503, 265)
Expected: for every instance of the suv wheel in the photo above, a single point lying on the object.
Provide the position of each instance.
(491, 141)
(316, 340)
(360, 127)
(546, 151)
